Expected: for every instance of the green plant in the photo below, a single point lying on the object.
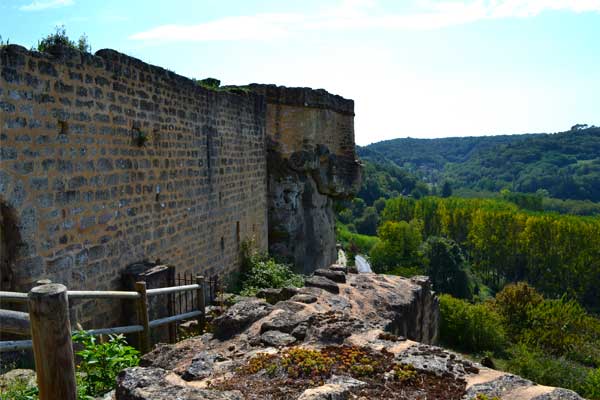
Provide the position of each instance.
(470, 327)
(591, 386)
(60, 38)
(481, 396)
(19, 389)
(101, 362)
(544, 369)
(405, 372)
(261, 271)
(3, 43)
(306, 363)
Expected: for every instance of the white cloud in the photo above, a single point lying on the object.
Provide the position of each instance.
(44, 5)
(357, 14)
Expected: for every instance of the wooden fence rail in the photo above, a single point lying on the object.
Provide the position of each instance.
(50, 328)
(18, 322)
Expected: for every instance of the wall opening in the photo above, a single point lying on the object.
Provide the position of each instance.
(10, 240)
(237, 233)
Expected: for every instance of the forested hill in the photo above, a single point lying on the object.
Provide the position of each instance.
(566, 164)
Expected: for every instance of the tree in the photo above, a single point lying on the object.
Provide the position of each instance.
(398, 246)
(367, 224)
(358, 207)
(446, 189)
(379, 204)
(446, 267)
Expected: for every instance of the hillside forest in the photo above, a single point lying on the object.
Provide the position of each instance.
(509, 235)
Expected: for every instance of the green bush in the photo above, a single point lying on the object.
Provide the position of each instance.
(60, 38)
(101, 362)
(514, 304)
(545, 369)
(473, 328)
(557, 326)
(259, 271)
(591, 386)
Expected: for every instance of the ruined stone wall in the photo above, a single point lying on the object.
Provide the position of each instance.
(311, 162)
(87, 200)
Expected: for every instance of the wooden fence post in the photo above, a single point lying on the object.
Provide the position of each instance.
(52, 345)
(143, 319)
(200, 303)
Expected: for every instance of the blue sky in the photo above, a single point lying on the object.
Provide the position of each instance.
(418, 68)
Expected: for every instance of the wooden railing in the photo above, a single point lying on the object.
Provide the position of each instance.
(19, 322)
(48, 322)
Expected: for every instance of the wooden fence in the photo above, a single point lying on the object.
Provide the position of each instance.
(190, 295)
(48, 322)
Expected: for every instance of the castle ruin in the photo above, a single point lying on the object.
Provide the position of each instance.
(106, 161)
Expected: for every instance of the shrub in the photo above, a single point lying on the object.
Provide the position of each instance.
(101, 362)
(558, 326)
(261, 271)
(591, 386)
(60, 38)
(514, 304)
(545, 369)
(474, 328)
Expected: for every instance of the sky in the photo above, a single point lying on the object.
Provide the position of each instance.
(415, 68)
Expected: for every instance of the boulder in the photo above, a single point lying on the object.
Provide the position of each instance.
(304, 298)
(201, 367)
(239, 316)
(322, 283)
(283, 321)
(336, 276)
(141, 383)
(273, 296)
(277, 339)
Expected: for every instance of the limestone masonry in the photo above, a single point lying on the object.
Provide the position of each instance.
(106, 161)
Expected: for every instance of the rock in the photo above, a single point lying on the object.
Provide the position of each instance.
(201, 367)
(336, 388)
(239, 316)
(322, 283)
(336, 276)
(304, 298)
(273, 296)
(107, 396)
(277, 339)
(284, 321)
(141, 383)
(346, 382)
(299, 332)
(26, 376)
(338, 267)
(437, 360)
(497, 387)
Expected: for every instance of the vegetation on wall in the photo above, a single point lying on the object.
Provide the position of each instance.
(260, 271)
(60, 38)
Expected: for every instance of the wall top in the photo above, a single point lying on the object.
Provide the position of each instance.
(119, 64)
(302, 96)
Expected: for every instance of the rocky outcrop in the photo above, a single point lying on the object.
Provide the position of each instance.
(311, 161)
(360, 341)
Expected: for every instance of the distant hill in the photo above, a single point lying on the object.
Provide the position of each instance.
(566, 164)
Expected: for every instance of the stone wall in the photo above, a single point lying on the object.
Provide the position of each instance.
(311, 162)
(82, 199)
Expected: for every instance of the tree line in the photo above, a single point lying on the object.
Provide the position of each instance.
(557, 254)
